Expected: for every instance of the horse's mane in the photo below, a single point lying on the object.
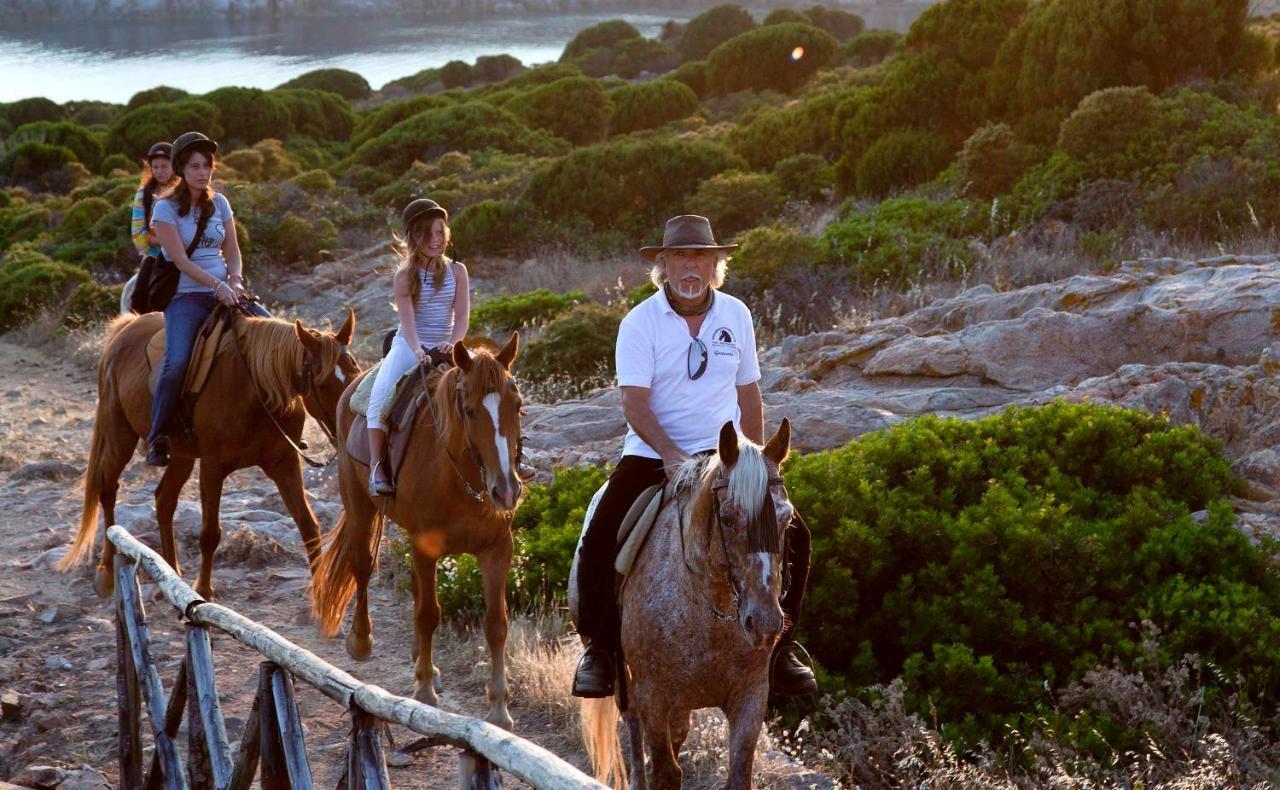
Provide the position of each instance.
(275, 355)
(747, 486)
(486, 373)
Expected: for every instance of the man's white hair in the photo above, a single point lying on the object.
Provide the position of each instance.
(658, 274)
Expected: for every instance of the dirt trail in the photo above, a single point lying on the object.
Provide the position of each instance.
(56, 636)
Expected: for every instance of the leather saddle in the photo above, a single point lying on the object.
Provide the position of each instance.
(637, 525)
(410, 395)
(214, 335)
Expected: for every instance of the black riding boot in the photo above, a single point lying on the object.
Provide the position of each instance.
(788, 675)
(158, 451)
(595, 672)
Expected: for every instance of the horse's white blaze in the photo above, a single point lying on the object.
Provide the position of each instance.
(337, 371)
(766, 567)
(491, 402)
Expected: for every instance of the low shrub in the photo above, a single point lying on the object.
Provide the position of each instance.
(33, 110)
(574, 109)
(649, 105)
(992, 159)
(156, 95)
(297, 239)
(80, 141)
(900, 241)
(778, 57)
(248, 115)
(115, 162)
(31, 283)
(347, 84)
(900, 159)
(602, 35)
(496, 68)
(710, 29)
(134, 132)
(23, 222)
(767, 253)
(493, 227)
(841, 24)
(1106, 124)
(314, 113)
(694, 74)
(506, 314)
(735, 201)
(91, 304)
(82, 215)
(871, 47)
(41, 167)
(456, 74)
(804, 176)
(576, 348)
(314, 181)
(803, 127)
(388, 115)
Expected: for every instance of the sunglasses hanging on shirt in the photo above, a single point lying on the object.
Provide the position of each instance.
(696, 359)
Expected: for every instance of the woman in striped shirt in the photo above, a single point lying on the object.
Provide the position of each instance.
(433, 298)
(157, 175)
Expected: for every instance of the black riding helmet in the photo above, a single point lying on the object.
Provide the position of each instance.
(160, 149)
(421, 207)
(192, 141)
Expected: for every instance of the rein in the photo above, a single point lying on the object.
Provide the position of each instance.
(307, 363)
(760, 535)
(478, 496)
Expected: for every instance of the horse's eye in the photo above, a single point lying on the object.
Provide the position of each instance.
(470, 412)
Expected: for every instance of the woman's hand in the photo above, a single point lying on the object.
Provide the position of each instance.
(444, 347)
(423, 355)
(225, 294)
(242, 294)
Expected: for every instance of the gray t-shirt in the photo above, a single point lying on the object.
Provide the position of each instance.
(208, 252)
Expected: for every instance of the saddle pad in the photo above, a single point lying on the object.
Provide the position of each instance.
(637, 525)
(359, 402)
(208, 344)
(403, 407)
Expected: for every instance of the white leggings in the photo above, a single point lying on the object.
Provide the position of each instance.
(397, 362)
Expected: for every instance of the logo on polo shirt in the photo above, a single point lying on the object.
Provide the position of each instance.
(723, 337)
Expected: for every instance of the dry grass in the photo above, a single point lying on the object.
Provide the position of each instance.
(560, 270)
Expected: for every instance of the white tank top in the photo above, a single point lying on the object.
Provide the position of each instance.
(433, 318)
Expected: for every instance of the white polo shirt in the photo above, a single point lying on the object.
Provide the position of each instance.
(653, 344)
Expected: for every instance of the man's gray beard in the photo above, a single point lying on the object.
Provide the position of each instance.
(683, 294)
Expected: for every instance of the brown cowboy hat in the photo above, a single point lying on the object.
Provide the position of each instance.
(686, 232)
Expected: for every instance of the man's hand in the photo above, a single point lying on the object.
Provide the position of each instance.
(672, 460)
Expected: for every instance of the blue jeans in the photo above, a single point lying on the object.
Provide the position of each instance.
(182, 321)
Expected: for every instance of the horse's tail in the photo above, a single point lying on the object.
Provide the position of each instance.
(600, 736)
(334, 580)
(94, 474)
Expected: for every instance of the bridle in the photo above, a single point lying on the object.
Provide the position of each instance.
(769, 529)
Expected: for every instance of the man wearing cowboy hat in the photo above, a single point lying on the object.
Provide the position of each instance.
(686, 362)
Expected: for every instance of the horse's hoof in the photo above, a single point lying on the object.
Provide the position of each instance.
(205, 591)
(500, 717)
(358, 648)
(426, 694)
(104, 582)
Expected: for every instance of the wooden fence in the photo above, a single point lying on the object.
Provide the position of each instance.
(273, 744)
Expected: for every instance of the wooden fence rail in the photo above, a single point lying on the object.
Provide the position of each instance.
(272, 747)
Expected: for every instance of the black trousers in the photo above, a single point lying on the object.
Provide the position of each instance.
(597, 603)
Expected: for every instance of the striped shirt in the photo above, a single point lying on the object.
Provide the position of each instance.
(433, 318)
(138, 228)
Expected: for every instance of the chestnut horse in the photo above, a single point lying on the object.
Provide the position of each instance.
(296, 372)
(700, 614)
(456, 493)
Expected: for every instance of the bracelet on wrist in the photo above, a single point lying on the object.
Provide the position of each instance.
(235, 278)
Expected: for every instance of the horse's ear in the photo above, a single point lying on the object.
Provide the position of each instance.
(728, 445)
(508, 353)
(348, 329)
(308, 340)
(461, 356)
(779, 447)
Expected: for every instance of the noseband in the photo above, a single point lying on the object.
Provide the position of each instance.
(458, 391)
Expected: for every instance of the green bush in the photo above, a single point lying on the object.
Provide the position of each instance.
(710, 29)
(1056, 179)
(804, 176)
(156, 95)
(694, 74)
(871, 47)
(603, 35)
(492, 227)
(803, 127)
(766, 59)
(297, 239)
(969, 32)
(92, 113)
(248, 115)
(23, 222)
(31, 283)
(766, 253)
(637, 56)
(115, 162)
(33, 110)
(496, 68)
(464, 127)
(506, 314)
(992, 159)
(72, 136)
(735, 201)
(899, 241)
(82, 215)
(574, 109)
(314, 113)
(1066, 49)
(628, 186)
(575, 349)
(416, 82)
(991, 562)
(648, 105)
(134, 132)
(1106, 124)
(38, 166)
(780, 16)
(456, 74)
(91, 304)
(902, 158)
(841, 24)
(539, 75)
(347, 84)
(314, 181)
(392, 113)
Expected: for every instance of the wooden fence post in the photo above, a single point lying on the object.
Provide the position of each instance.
(366, 765)
(140, 649)
(283, 752)
(207, 748)
(128, 704)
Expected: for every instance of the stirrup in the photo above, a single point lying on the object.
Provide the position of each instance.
(379, 486)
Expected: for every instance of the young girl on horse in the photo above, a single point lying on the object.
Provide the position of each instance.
(210, 274)
(157, 173)
(433, 298)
